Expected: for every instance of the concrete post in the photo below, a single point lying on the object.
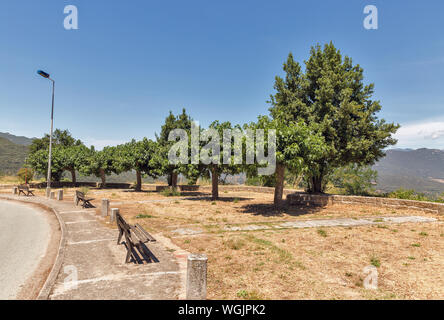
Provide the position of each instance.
(60, 195)
(112, 217)
(48, 192)
(75, 198)
(15, 190)
(105, 207)
(52, 195)
(197, 277)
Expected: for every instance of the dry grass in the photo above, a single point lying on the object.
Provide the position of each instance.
(311, 263)
(9, 180)
(307, 263)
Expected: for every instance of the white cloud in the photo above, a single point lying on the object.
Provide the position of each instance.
(425, 134)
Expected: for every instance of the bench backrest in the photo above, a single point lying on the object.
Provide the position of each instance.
(23, 187)
(80, 195)
(123, 225)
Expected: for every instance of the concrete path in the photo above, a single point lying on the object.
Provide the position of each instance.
(313, 223)
(92, 264)
(24, 237)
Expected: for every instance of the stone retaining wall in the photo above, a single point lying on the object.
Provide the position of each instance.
(242, 188)
(305, 199)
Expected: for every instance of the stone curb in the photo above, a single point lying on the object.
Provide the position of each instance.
(51, 279)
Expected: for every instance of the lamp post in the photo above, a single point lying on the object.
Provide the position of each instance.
(48, 185)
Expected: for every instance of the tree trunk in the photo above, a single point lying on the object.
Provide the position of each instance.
(174, 180)
(139, 181)
(170, 179)
(316, 185)
(73, 176)
(279, 188)
(103, 177)
(214, 184)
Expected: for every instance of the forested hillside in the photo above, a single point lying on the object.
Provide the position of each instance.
(12, 156)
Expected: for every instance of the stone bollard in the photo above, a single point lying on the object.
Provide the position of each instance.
(114, 212)
(60, 195)
(105, 207)
(15, 190)
(197, 277)
(52, 195)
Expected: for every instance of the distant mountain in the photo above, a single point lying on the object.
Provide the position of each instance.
(24, 141)
(12, 156)
(421, 170)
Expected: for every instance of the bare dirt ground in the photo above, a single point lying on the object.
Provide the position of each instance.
(308, 263)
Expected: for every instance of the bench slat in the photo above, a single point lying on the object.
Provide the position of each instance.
(144, 232)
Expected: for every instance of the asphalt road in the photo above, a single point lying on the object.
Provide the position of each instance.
(24, 237)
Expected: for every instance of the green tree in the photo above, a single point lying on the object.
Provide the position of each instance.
(67, 153)
(38, 160)
(223, 162)
(140, 156)
(73, 158)
(331, 98)
(181, 121)
(99, 163)
(59, 138)
(296, 146)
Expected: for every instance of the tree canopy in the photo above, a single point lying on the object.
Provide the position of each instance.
(332, 99)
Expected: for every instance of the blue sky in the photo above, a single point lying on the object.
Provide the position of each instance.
(130, 62)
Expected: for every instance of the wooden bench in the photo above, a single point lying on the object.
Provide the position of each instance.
(135, 237)
(80, 196)
(25, 190)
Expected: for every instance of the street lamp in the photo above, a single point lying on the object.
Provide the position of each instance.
(48, 185)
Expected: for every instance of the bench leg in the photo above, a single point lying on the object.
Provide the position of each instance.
(129, 248)
(120, 236)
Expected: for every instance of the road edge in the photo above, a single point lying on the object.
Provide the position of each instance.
(45, 291)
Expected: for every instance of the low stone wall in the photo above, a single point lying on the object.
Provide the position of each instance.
(304, 199)
(242, 188)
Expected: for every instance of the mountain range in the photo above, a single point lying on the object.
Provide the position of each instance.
(421, 170)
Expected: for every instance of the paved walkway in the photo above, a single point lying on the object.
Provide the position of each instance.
(24, 237)
(314, 223)
(89, 253)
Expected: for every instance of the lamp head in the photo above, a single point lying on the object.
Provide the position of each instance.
(43, 73)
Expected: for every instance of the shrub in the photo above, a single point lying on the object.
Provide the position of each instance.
(170, 192)
(408, 194)
(25, 175)
(84, 190)
(375, 262)
(354, 179)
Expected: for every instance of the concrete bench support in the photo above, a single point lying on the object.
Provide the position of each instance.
(14, 190)
(197, 277)
(105, 207)
(112, 217)
(60, 195)
(52, 195)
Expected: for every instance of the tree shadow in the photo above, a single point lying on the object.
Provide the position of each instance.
(222, 199)
(272, 210)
